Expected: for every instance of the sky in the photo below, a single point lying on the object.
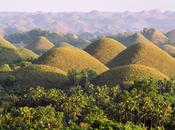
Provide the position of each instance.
(85, 5)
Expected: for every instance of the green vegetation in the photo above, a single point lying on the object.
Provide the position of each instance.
(71, 58)
(105, 49)
(128, 73)
(148, 55)
(146, 104)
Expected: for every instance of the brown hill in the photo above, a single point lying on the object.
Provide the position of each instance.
(171, 36)
(155, 36)
(146, 54)
(105, 49)
(68, 58)
(169, 49)
(41, 45)
(136, 38)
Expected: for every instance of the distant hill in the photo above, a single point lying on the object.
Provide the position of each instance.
(94, 21)
(135, 38)
(70, 58)
(169, 49)
(155, 36)
(30, 37)
(148, 55)
(171, 36)
(105, 49)
(127, 73)
(41, 45)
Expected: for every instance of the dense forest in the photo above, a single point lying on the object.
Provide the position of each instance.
(80, 105)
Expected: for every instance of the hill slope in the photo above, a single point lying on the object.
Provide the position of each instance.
(26, 54)
(169, 49)
(155, 36)
(105, 49)
(136, 38)
(68, 58)
(171, 36)
(40, 75)
(146, 54)
(128, 73)
(42, 44)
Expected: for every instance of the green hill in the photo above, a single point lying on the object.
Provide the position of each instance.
(40, 75)
(146, 54)
(127, 73)
(26, 54)
(105, 49)
(68, 58)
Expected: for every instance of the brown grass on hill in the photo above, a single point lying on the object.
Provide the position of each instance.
(128, 73)
(171, 35)
(105, 49)
(68, 58)
(155, 36)
(42, 44)
(136, 38)
(169, 49)
(40, 75)
(146, 54)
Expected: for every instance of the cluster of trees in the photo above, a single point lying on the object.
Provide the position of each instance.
(145, 104)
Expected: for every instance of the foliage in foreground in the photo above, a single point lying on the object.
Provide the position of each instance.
(145, 104)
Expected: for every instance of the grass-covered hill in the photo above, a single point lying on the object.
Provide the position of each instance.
(105, 49)
(26, 54)
(135, 38)
(155, 36)
(8, 52)
(11, 54)
(39, 75)
(146, 54)
(171, 36)
(169, 49)
(127, 73)
(68, 58)
(42, 44)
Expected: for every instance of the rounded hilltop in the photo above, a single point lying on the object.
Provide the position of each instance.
(136, 38)
(146, 54)
(127, 73)
(42, 44)
(70, 58)
(105, 49)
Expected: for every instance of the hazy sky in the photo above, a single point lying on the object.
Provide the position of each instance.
(85, 5)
